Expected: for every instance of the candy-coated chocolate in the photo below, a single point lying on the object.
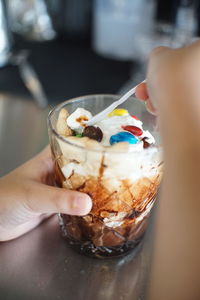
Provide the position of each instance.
(123, 137)
(134, 117)
(118, 112)
(133, 129)
(93, 132)
(146, 144)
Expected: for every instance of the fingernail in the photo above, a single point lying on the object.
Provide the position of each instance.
(81, 205)
(150, 107)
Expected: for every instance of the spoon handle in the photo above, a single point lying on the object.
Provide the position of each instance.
(110, 108)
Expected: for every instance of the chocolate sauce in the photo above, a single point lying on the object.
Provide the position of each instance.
(94, 238)
(91, 236)
(82, 120)
(146, 144)
(59, 177)
(101, 169)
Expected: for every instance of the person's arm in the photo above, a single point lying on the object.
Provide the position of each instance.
(173, 87)
(27, 197)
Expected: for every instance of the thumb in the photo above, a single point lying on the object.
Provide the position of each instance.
(48, 199)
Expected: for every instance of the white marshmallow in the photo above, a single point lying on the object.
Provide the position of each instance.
(74, 123)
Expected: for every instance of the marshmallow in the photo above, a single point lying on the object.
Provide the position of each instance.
(76, 121)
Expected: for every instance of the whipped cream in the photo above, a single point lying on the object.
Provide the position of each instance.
(118, 166)
(111, 125)
(115, 220)
(131, 162)
(76, 120)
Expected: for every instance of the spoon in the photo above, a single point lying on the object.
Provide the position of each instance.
(100, 116)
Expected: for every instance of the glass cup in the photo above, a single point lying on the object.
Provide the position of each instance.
(122, 183)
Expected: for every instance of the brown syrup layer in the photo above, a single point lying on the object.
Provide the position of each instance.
(127, 197)
(131, 199)
(93, 229)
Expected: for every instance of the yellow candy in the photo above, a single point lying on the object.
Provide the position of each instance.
(118, 112)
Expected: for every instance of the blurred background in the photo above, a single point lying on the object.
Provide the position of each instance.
(53, 50)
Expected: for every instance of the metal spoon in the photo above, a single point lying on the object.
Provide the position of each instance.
(100, 116)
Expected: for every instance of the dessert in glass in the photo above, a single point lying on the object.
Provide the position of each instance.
(117, 162)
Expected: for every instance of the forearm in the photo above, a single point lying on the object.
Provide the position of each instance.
(177, 243)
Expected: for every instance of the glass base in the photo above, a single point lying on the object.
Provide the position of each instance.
(89, 249)
(90, 236)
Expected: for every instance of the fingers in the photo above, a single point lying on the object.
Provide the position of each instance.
(141, 92)
(47, 199)
(150, 107)
(44, 159)
(39, 167)
(159, 51)
(10, 234)
(45, 152)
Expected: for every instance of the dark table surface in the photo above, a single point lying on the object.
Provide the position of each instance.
(41, 265)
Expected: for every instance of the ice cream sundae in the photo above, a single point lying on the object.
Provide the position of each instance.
(116, 163)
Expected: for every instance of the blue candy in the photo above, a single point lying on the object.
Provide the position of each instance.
(123, 137)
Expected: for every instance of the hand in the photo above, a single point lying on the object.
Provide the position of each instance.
(142, 94)
(171, 69)
(173, 93)
(27, 197)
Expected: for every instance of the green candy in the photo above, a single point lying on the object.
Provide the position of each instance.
(79, 135)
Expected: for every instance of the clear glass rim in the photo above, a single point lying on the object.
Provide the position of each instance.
(79, 99)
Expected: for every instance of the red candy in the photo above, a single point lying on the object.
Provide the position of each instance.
(134, 117)
(133, 129)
